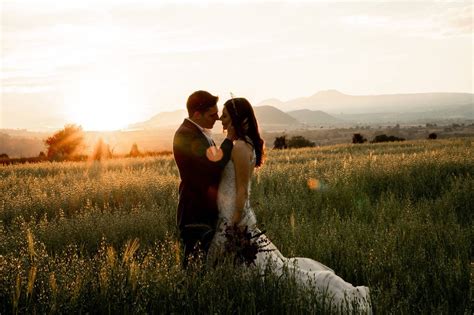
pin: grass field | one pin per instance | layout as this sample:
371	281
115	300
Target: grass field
101	237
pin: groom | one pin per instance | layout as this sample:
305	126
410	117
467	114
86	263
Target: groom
200	165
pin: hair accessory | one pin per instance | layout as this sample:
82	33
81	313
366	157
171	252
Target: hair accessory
233	104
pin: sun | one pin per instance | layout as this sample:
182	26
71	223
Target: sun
100	103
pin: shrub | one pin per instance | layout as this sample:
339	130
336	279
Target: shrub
134	152
101	151
385	138
66	143
358	138
300	142
280	143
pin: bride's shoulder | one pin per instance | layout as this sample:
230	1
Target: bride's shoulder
242	147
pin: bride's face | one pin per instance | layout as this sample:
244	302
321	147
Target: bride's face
225	118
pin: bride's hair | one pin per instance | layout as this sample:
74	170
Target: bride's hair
245	125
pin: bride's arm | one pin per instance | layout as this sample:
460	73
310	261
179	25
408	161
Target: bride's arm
241	156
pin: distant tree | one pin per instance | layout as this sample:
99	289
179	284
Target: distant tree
280	143
299	142
358	138
385	138
4	156
42	155
134	152
101	151
65	143
432	136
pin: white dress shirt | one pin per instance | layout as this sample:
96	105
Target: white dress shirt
205	132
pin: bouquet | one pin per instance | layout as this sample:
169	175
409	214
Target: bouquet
243	245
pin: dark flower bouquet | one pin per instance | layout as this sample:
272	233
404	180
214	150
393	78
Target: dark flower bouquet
243	245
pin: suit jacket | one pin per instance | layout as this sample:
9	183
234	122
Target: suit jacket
199	176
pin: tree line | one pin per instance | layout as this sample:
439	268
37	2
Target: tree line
301	142
359	138
68	145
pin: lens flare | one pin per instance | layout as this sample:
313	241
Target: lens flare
314	184
214	154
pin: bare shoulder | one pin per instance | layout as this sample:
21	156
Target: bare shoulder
241	145
241	149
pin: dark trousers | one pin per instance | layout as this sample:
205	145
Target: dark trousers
196	239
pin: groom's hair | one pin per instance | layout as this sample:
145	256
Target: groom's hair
200	101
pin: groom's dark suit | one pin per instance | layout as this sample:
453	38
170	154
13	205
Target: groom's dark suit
199	182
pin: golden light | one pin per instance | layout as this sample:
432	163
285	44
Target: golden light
100	103
214	154
314	184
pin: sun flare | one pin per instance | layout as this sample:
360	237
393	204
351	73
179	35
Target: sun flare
100	104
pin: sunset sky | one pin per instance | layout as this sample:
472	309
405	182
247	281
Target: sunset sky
106	63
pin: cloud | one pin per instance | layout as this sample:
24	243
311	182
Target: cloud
374	22
456	21
25	89
443	20
46	41
74	35
384	24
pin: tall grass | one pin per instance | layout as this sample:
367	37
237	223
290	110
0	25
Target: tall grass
101	237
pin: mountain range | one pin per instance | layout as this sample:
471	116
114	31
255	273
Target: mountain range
327	109
335	102
266	115
332	108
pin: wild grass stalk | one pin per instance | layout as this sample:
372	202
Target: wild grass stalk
101	237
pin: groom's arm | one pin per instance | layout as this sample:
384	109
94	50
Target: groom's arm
196	159
226	148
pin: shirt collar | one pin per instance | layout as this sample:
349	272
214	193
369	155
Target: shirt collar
206	132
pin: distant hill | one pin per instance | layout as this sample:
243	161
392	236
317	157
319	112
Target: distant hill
443	115
273	102
20	146
266	115
163	119
335	109
335	102
315	117
269	115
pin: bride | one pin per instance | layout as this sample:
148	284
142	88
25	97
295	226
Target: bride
234	210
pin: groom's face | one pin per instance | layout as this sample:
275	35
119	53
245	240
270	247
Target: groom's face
209	117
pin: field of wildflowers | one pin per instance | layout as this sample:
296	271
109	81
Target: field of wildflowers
101	237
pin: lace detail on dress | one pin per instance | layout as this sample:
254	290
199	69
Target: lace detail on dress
343	296
226	200
226	196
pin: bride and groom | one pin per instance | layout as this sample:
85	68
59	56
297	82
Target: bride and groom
214	194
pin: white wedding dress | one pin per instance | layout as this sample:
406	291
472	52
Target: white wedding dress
342	295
